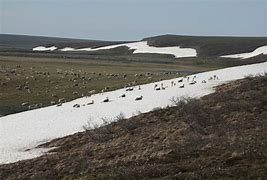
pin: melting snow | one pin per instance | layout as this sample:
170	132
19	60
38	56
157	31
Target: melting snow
42	48
256	52
143	47
22	131
67	49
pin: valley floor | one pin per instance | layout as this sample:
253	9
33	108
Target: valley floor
222	135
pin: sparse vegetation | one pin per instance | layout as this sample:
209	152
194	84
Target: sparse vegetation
40	79
222	135
210	46
36	82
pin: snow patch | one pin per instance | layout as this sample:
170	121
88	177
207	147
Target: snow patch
67	49
256	52
139	47
27	130
42	48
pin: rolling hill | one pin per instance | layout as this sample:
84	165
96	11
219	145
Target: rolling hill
210	45
206	46
221	136
24	42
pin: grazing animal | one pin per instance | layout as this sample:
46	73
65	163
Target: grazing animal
76	105
139	87
193	82
155	86
106	100
180	80
25	104
157	89
204	81
139	98
123	95
92	102
92	92
31	106
59	104
182	86
130	89
61	100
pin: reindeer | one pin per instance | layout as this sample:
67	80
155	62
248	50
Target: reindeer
106	100
76	105
130	89
59	104
139	98
90	103
182	86
192	83
25	104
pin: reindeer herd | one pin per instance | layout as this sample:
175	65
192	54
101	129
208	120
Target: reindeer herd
157	87
59	85
78	79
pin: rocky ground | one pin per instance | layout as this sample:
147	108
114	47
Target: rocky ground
222	135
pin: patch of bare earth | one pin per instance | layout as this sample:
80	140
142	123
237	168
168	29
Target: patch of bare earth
222	135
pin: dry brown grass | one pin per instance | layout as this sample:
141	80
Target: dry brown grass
223	135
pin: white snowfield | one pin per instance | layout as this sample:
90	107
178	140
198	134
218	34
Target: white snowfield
140	47
256	52
42	48
20	133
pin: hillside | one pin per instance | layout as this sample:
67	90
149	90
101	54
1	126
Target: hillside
27	43
209	45
222	135
206	46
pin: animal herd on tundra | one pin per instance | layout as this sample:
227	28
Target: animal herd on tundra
79	80
157	87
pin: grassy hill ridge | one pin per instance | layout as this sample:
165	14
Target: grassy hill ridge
206	46
210	45
25	42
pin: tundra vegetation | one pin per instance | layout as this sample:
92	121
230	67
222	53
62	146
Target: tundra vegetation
31	82
222	135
